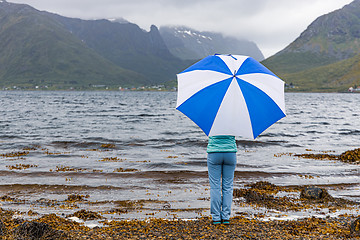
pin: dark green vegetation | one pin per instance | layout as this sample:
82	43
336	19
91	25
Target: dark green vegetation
325	57
42	49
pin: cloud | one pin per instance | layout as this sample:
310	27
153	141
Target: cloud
272	24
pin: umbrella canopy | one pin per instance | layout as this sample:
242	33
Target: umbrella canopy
231	95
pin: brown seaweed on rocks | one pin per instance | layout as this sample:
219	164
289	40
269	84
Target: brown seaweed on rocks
126	170
68	169
21	166
87	215
52	226
107	145
355	227
14	154
351	156
76	198
36	230
264	194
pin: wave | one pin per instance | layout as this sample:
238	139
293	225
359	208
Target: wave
257	143
261	174
161	143
57	187
349	132
10	137
280	135
107	175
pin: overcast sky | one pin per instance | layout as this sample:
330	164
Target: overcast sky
271	24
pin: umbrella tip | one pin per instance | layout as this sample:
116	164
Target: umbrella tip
232	56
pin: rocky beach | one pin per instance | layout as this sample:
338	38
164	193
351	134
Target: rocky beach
242	226
86	224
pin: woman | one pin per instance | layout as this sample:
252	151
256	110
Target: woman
221	163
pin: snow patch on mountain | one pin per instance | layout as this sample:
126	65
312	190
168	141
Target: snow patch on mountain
187	43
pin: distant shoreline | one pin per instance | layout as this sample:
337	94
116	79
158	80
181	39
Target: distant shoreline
140	90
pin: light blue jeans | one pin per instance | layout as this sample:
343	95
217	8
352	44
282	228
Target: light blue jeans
221	168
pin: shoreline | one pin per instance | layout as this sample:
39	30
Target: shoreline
55	227
329	218
145	90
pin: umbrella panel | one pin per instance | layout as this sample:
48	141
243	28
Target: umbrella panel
263	111
203	106
210	62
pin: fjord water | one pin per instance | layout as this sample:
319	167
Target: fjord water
134	146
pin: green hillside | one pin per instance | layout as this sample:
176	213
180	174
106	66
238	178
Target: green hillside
324	57
35	50
338	76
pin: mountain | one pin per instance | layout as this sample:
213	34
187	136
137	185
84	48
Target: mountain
338	76
126	45
331	42
119	20
37	50
41	48
187	43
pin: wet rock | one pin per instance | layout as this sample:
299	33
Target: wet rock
33	230
314	193
264	194
321	156
87	215
351	156
253	196
355	227
2	228
76	198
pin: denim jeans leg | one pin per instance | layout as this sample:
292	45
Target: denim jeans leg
227	184
214	163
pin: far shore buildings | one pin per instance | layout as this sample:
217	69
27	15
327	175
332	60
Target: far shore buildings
356	89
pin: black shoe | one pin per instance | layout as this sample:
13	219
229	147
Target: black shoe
216	222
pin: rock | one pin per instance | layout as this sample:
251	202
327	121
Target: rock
314	193
263	185
355	227
87	215
32	230
2	228
253	196
76	198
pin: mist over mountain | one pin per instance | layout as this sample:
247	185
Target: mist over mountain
187	43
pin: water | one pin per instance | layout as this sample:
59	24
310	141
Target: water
116	146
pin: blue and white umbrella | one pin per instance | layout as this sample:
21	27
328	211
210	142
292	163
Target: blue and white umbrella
231	95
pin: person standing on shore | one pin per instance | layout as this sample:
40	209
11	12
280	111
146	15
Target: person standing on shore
221	162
